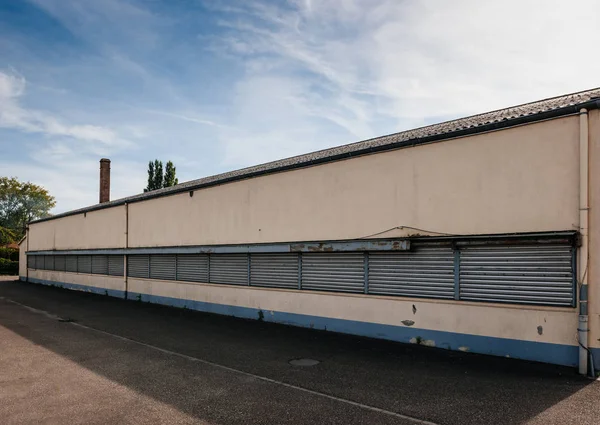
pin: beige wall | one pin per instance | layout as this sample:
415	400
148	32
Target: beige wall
594	230
517	180
91	280
512	322
97	229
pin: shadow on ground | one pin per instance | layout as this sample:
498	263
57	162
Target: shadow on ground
432	384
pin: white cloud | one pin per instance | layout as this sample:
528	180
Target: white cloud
407	61
15	116
276	79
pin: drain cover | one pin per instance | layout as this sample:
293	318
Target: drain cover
304	362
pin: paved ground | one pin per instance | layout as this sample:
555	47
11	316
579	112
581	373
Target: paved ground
69	357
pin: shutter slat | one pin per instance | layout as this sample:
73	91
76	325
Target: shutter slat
274	270
162	266
192	267
532	274
424	272
338	272
231	269
137	266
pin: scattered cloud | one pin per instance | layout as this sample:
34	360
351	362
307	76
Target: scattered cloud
222	85
14	116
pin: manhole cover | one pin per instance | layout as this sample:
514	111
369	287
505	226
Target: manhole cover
304	362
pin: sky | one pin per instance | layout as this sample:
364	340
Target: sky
220	85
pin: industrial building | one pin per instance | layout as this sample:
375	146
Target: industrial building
480	234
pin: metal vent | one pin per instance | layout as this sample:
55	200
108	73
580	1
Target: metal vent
31	262
138	266
274	270
100	264
426	272
39	262
162	266
229	269
116	265
192	267
59	263
541	274
71	263
340	272
84	264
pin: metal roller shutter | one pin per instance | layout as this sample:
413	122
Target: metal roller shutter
340	272
59	263
48	262
541	274
39	262
192	267
229	269
71	263
84	264
274	270
100	264
31	261
425	272
137	266
116	265
162	266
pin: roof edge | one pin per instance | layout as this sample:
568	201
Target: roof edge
484	128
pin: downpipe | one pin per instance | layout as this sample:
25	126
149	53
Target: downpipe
125	273
583	257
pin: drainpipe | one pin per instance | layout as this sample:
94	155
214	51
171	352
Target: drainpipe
126	246
582	269
26	256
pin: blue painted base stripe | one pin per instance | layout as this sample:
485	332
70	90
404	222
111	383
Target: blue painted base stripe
527	350
76	287
566	355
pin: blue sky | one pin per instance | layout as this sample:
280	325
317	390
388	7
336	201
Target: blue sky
220	85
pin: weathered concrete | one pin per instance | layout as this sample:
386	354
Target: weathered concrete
56	371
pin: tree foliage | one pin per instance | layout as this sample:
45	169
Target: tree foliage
150	177
157	179
170	179
21	202
158	174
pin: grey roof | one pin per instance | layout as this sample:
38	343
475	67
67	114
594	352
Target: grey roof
501	118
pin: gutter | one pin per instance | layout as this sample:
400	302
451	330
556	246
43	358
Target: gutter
491	126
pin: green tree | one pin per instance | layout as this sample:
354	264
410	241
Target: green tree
21	202
158	174
150	177
170	178
156	178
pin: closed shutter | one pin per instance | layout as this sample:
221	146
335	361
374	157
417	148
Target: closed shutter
425	272
137	266
39	262
30	262
59	263
100	264
274	270
340	272
192	267
541	274
116	265
71	263
84	264
229	269
162	266
48	262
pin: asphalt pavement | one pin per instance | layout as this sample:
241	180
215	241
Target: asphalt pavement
70	357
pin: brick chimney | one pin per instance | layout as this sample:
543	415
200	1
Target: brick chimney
104	180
